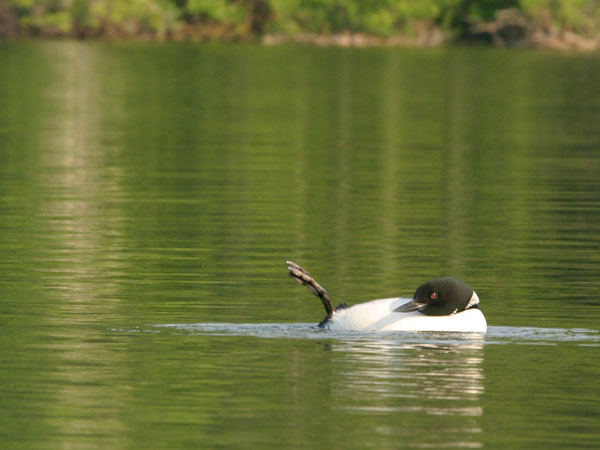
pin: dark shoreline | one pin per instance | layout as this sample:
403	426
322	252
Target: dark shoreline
510	29
563	41
559	41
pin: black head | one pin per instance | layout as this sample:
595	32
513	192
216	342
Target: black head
441	297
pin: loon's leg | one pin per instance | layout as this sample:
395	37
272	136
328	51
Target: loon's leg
303	277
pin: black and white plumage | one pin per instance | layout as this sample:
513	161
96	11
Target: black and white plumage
442	304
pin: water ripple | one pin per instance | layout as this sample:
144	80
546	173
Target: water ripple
495	334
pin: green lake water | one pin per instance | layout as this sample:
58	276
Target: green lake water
151	193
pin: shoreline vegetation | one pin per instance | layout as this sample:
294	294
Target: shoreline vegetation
553	24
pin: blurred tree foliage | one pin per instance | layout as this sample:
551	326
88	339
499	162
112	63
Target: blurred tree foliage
171	18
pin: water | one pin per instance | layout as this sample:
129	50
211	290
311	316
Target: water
150	195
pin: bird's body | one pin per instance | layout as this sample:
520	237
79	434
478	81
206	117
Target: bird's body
379	315
443	304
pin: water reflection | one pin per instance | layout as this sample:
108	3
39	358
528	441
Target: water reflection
409	384
393	386
79	241
167	184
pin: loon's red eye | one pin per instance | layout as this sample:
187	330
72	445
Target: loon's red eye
434	296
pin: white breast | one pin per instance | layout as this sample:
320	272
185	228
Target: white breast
379	315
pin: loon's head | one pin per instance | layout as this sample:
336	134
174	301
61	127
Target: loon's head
442	297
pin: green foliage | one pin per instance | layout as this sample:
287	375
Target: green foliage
582	16
485	10
153	15
59	22
379	17
223	11
384	17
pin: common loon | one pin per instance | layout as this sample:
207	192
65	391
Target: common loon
443	304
